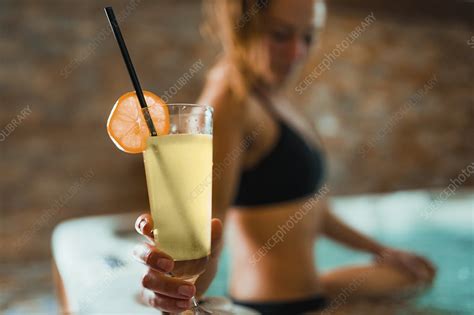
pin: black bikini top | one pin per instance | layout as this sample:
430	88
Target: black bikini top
291	170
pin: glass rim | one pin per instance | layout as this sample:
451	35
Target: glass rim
192	105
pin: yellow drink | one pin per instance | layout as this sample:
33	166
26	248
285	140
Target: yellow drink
178	171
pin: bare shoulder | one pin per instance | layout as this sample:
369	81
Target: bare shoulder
219	94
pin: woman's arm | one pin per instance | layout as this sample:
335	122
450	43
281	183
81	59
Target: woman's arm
229	125
339	231
418	266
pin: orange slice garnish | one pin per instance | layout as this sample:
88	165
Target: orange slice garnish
127	126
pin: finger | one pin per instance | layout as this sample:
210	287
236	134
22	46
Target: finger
172	305
165	303
394	259
149	255
166	285
404	263
217	229
423	271
429	268
416	268
144	225
429	265
216	237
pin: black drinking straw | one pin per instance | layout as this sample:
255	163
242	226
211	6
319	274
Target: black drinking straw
131	70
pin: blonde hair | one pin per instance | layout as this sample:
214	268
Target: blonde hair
237	25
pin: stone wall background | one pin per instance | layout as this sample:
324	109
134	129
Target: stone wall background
59	59
382	133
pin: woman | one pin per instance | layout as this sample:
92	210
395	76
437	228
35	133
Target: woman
275	175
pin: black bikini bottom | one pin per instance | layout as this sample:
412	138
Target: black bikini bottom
293	307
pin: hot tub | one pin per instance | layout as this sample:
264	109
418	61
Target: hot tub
93	255
421	221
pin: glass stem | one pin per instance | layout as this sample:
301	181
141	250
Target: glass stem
195	304
197	310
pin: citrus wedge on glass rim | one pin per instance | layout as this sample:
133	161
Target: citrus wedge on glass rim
126	125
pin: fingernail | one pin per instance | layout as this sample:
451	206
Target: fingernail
164	264
146	279
186	290
183	304
142	224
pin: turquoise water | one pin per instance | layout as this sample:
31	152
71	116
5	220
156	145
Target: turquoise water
452	251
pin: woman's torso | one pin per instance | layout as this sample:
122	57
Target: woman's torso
272	245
